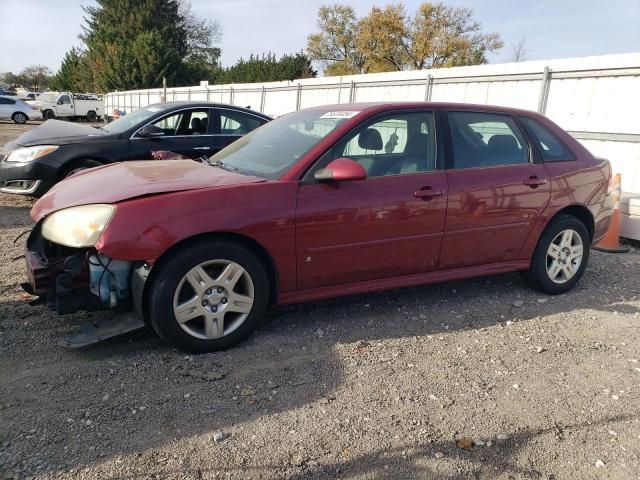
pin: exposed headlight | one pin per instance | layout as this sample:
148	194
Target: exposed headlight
78	226
28	154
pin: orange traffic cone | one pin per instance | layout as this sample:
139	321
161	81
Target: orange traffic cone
611	241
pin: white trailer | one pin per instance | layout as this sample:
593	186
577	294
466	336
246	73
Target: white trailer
69	105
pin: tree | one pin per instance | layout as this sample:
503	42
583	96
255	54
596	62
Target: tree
334	47
74	74
442	36
267	68
382	39
519	51
389	39
134	43
203	56
10	79
34	77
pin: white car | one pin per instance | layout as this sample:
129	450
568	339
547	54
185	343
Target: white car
12	108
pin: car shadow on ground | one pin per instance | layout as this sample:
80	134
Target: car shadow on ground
417	462
156	395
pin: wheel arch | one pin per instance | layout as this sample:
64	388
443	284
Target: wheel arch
19	111
69	165
580	212
248	242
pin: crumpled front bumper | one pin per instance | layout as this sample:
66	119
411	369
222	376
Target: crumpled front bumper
60	277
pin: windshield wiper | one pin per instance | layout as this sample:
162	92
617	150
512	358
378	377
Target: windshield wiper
221	164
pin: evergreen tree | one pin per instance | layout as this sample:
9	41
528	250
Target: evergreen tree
266	68
134	43
73	75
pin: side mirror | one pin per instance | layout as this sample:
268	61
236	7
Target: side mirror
59	102
150	131
341	170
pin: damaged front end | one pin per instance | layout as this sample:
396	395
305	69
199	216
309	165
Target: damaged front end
69	279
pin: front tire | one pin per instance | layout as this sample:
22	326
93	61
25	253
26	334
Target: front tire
48	115
208	296
78	166
561	255
19	118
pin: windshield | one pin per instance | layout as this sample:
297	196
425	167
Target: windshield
132	119
273	148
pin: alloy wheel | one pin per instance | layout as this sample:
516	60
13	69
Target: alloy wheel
564	256
20	118
213	299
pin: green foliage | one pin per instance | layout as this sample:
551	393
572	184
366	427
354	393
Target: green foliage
131	44
266	68
73	74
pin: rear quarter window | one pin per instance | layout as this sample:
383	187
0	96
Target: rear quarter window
550	147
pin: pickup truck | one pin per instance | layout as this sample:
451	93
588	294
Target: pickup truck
69	105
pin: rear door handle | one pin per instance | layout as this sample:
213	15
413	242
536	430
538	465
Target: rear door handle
427	193
535	181
202	148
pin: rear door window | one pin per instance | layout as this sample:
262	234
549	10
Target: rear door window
550	147
486	139
233	122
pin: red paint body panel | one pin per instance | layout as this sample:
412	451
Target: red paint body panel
491	213
121	181
366	230
145	228
401	282
341	238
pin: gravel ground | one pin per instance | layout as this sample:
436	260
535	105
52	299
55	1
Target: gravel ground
481	379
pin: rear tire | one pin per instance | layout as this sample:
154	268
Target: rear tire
561	256
208	296
19	118
92	116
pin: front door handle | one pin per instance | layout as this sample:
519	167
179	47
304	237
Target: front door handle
202	148
534	181
427	193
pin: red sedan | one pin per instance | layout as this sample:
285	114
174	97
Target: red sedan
323	202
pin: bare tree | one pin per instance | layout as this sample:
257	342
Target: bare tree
519	51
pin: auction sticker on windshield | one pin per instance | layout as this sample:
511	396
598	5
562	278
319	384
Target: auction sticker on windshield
341	114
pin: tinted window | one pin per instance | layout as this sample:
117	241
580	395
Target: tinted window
6	101
486	139
185	122
549	145
396	145
65	100
233	122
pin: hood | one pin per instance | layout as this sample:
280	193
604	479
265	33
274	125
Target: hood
57	132
123	181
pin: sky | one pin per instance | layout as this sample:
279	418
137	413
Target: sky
41	31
